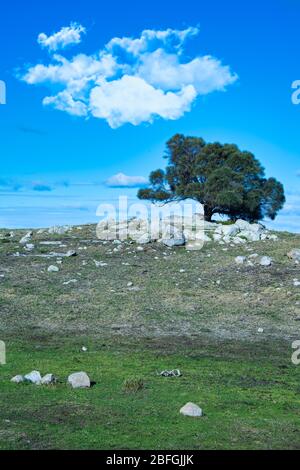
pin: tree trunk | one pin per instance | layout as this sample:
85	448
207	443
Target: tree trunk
208	213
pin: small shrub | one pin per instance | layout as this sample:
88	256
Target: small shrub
133	385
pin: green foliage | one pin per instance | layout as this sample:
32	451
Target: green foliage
223	178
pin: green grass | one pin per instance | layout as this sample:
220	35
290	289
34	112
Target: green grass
244	381
250	399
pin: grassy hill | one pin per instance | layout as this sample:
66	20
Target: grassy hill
140	310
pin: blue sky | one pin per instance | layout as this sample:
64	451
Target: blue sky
57	165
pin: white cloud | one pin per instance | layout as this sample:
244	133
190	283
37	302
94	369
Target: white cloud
130	80
206	73
123	181
152	40
131	99
63	38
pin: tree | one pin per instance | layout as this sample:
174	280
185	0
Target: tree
224	179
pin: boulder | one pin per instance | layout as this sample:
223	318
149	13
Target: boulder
34	377
190	409
29	247
294	254
71	254
17	379
144	239
171	242
240	259
53	269
48	379
242	224
26	238
79	380
249	235
230	230
59	230
266	261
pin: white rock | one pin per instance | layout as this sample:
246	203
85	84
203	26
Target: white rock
71	254
57	230
294	254
72	281
26	238
217	237
260	330
99	264
48	379
29	246
190	409
79	380
53	269
17	379
171	242
238	240
84	349
34	377
249	235
230	230
273	237
240	259
144	239
242	224
266	261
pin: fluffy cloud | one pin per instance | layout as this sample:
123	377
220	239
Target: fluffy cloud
130	80
131	99
123	181
63	38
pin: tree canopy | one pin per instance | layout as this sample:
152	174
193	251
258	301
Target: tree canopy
224	179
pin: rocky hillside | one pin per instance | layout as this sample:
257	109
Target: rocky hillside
243	283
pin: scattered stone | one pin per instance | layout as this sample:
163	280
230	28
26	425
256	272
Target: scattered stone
190	409
79	380
171	373
171	242
29	247
71	254
26	238
240	259
48	379
266	261
294	254
144	240
18	379
34	377
72	281
57	230
100	264
53	269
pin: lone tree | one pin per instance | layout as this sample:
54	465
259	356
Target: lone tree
222	178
